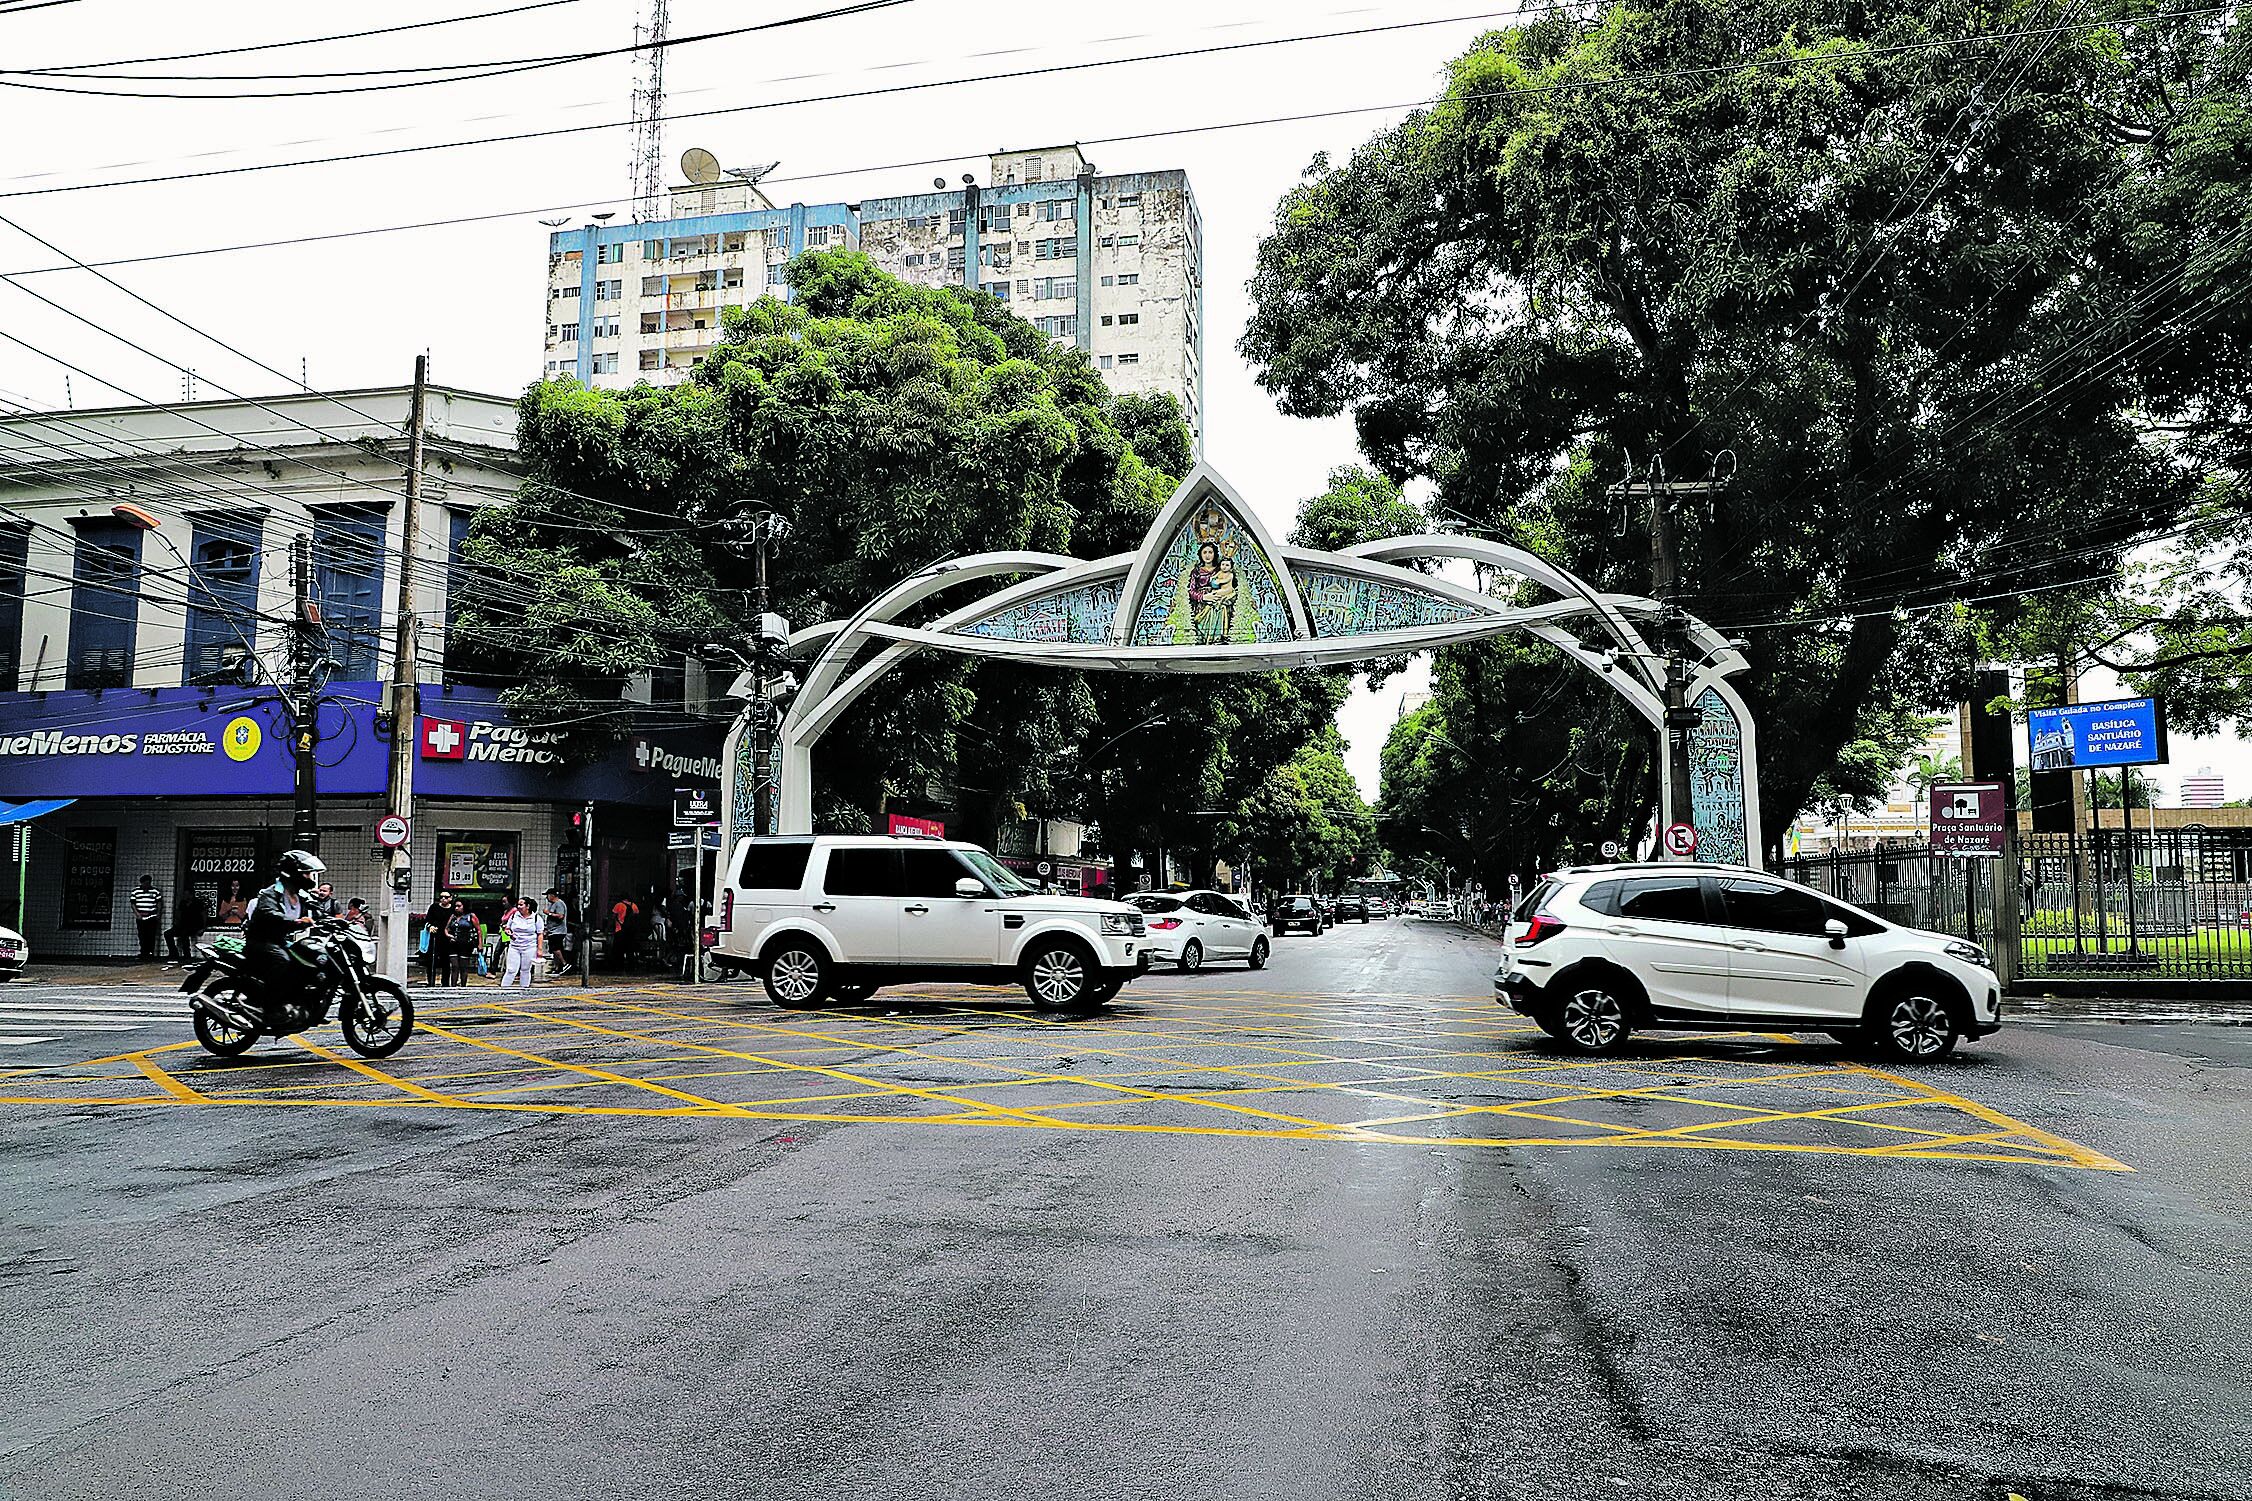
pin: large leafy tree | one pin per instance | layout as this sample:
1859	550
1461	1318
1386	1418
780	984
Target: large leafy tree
1875	267
890	425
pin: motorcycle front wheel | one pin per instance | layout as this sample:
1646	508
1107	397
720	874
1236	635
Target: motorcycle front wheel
223	1039
380	1025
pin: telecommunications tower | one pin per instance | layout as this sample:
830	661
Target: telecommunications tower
649	115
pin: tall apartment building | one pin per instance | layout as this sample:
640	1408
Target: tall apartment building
1115	264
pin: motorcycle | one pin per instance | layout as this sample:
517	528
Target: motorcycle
337	973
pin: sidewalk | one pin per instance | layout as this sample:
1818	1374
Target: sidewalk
88	972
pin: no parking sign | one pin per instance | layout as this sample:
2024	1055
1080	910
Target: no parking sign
1680	840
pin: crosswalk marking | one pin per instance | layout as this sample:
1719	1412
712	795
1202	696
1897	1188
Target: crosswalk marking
29	1020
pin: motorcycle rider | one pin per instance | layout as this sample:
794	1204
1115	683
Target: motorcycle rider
277	915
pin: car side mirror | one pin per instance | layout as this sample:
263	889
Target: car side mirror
969	886
1836	930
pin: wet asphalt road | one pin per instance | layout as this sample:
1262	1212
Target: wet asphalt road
226	1301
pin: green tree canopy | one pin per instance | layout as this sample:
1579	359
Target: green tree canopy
1884	270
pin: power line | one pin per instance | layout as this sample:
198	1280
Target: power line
314	41
1793	60
457	72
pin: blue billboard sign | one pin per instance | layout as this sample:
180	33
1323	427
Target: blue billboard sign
192	742
2079	737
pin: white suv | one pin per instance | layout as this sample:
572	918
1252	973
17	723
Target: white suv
1593	953
835	916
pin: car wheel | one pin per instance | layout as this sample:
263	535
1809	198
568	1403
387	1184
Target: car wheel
1914	1025
1591	1018
1192	957
1258	953
796	974
1057	977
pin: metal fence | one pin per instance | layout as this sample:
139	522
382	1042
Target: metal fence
2162	903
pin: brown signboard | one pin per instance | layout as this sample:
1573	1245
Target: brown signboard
1967	819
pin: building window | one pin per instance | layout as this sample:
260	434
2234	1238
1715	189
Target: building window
609	291
1129	200
957	257
104	597
606	326
652	286
1032	169
1103	360
348	576
913	260
222	600
1106	281
1107	241
15	560
652	250
567	333
1126	320
606	364
774	276
1129	279
955	219
1129	359
610	255
1128	242
999	289
1106	320
1062	326
652	359
1057	286
1054	250
1056	208
732	277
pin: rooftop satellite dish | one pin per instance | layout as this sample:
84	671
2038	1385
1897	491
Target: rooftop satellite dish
699	165
751	177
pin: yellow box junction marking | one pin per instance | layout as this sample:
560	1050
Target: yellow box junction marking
1416	1071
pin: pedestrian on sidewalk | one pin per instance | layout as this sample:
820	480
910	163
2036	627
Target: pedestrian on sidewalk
148	915
555	918
434	937
465	939
189	918
525	930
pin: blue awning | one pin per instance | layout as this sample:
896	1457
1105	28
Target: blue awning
26	812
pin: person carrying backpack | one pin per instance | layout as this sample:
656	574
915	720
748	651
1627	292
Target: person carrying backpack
465	939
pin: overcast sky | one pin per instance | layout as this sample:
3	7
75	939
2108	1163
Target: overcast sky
356	311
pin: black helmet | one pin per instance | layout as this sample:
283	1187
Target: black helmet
300	869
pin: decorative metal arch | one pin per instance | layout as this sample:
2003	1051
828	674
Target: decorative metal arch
1209	590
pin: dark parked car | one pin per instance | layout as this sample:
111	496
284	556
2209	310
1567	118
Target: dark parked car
1297	912
1351	909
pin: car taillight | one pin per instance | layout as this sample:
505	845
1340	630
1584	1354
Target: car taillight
1539	930
1164	924
727	912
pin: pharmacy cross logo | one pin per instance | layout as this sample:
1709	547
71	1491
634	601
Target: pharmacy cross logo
442	739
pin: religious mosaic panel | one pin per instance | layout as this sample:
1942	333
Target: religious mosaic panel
1716	783
1344	604
1082	614
1212	586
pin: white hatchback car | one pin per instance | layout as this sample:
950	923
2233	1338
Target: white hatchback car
1188	927
1594	953
14	954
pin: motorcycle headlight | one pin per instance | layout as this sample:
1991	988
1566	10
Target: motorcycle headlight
1968	953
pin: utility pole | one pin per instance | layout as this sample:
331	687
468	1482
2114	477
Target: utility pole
406	708
767	528
1679	804
304	712
586	896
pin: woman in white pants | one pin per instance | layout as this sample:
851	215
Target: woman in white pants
525	934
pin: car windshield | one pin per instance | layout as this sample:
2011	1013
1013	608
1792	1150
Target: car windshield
996	875
1152	903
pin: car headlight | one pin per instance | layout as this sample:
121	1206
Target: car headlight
1118	923
1969	953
